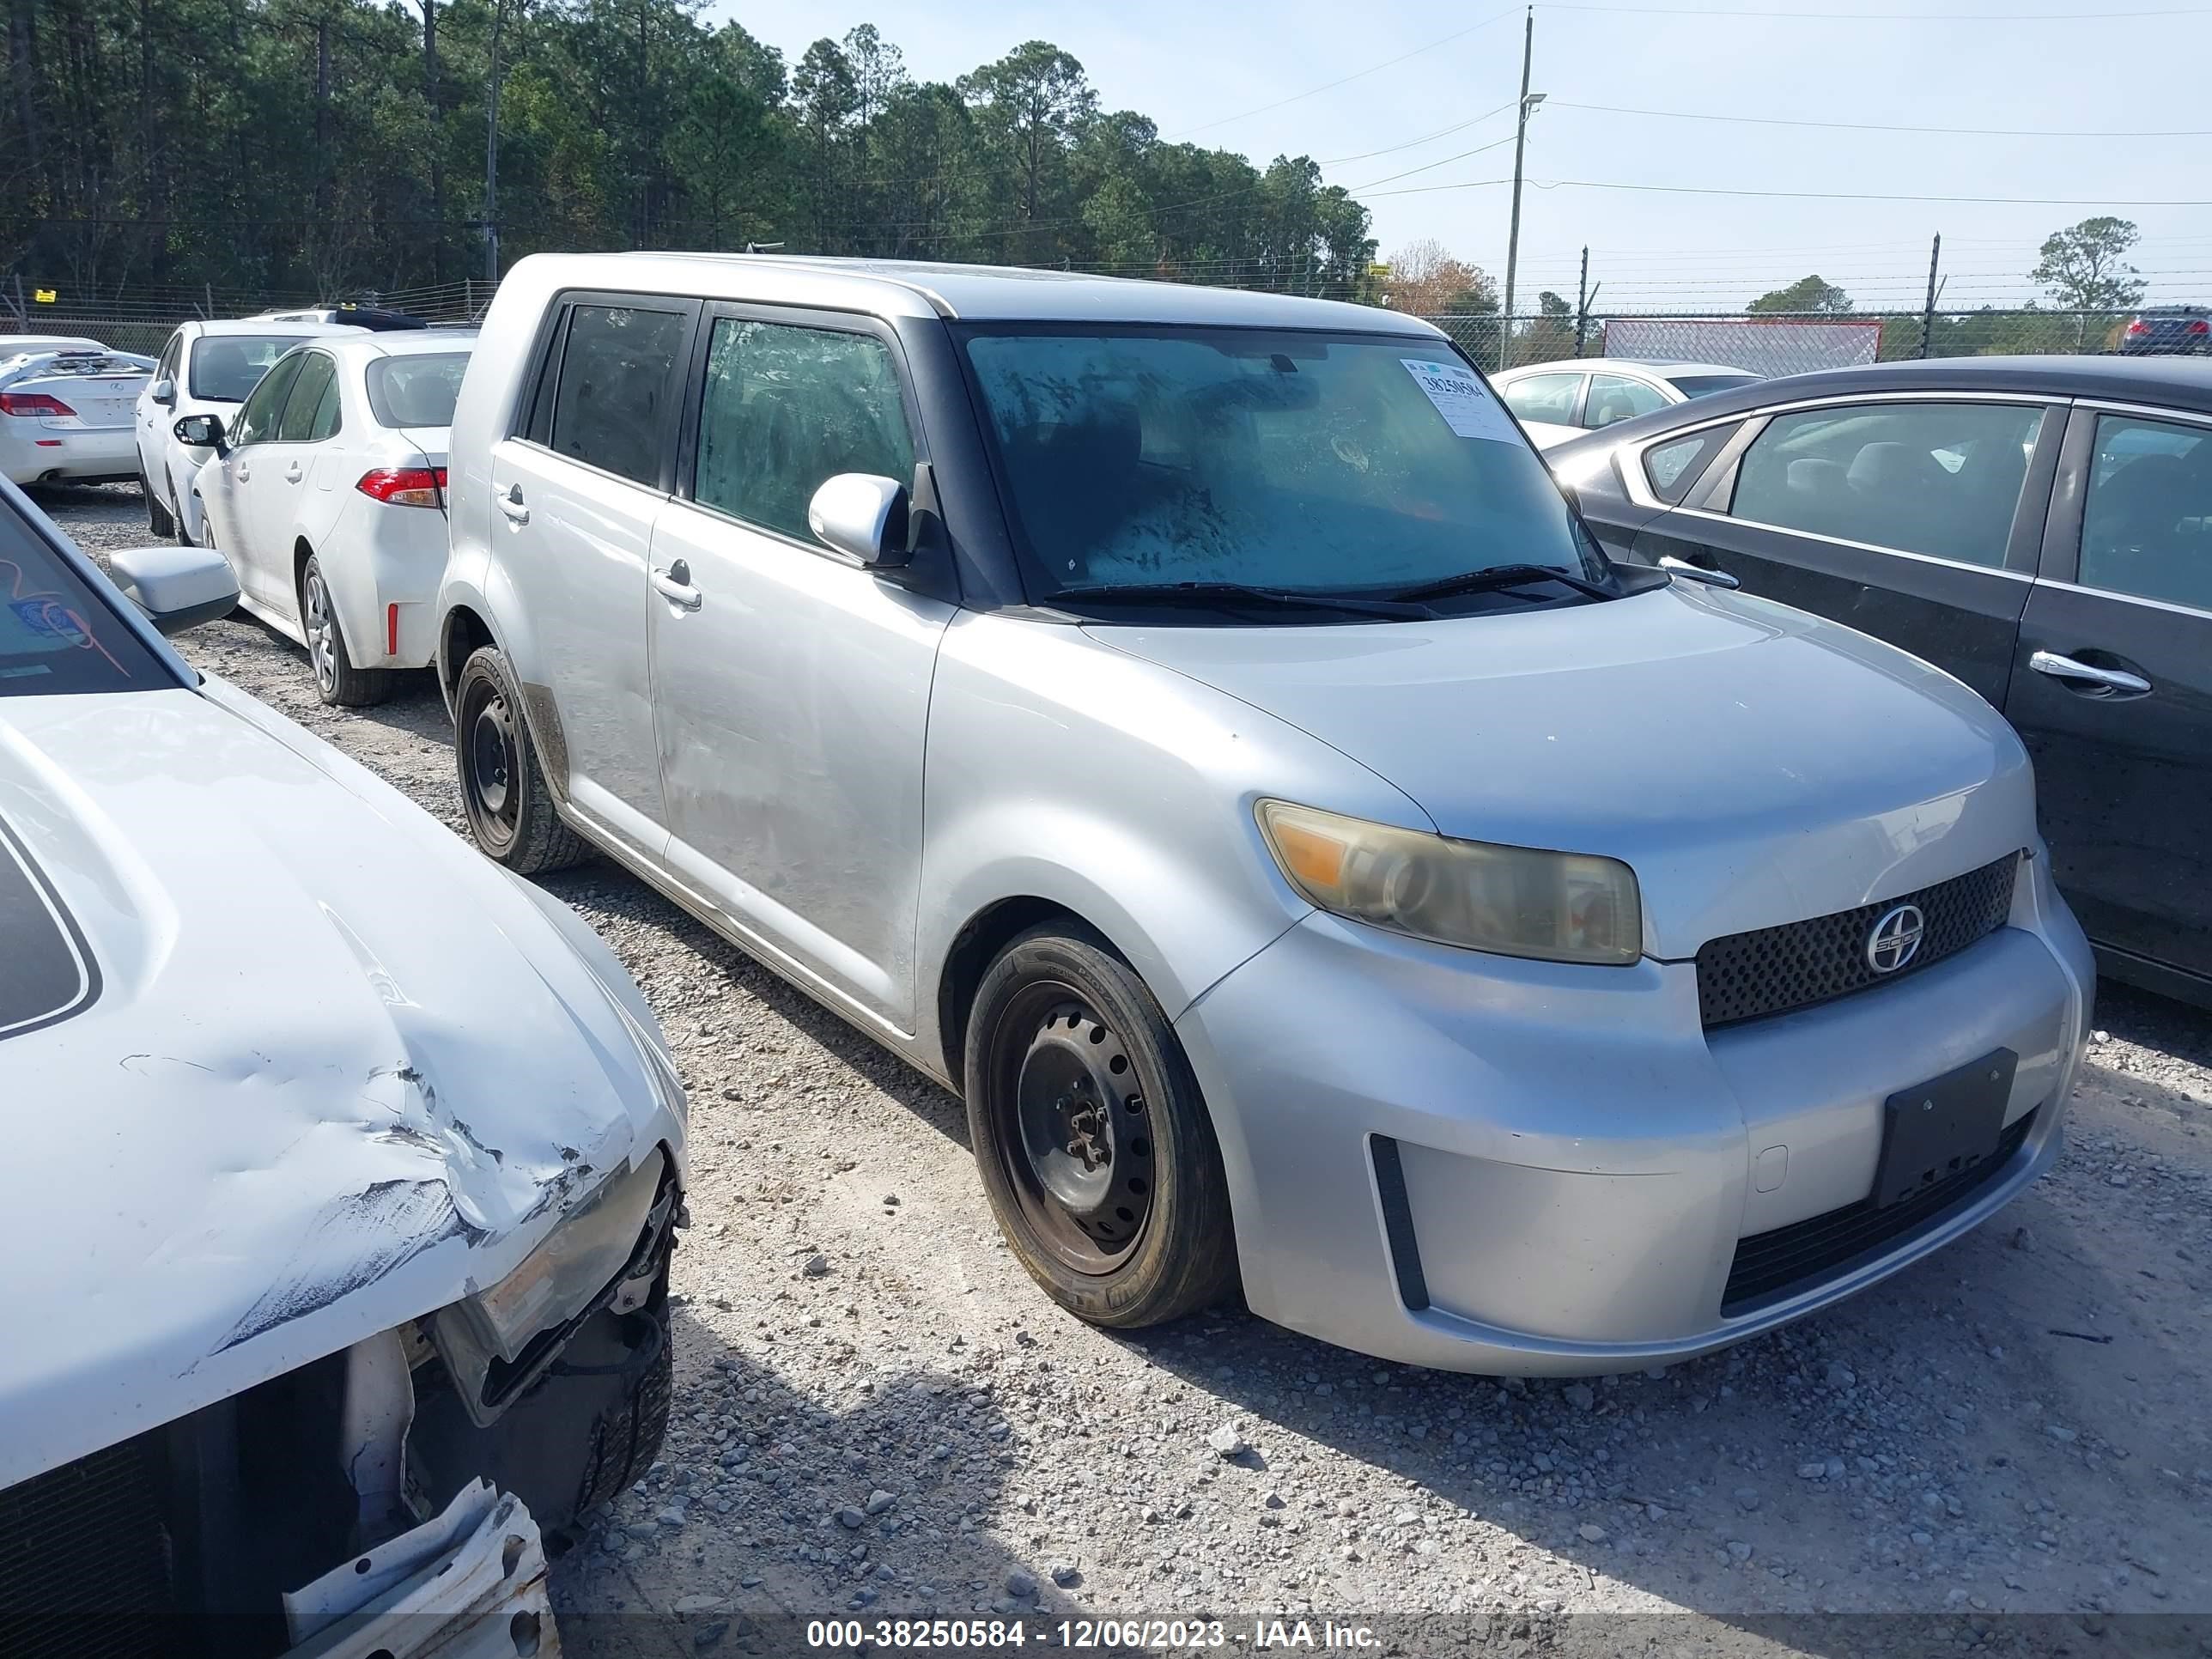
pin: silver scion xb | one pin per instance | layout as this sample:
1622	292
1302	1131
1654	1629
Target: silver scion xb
1193	725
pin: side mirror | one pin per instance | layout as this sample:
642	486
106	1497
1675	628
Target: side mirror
177	588
863	517
163	392
200	432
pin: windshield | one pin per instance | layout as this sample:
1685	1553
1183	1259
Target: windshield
1703	386
226	368
56	635
1308	462
417	389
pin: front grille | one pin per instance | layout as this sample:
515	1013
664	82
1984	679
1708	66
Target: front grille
1768	1265
1771	971
84	1565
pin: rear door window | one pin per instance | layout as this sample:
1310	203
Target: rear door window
2147	524
264	406
611	393
1549	398
787	409
317	379
1937	478
1615	398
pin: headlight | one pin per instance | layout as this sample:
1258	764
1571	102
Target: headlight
558	1280
1512	901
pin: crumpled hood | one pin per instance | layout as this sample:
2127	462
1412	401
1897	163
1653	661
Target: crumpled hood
338	1069
1752	763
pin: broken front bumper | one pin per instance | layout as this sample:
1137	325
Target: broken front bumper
469	1584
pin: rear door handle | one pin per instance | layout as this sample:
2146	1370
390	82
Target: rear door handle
2106	681
292	474
674	585
511	504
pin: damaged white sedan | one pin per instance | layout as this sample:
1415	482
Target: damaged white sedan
346	1170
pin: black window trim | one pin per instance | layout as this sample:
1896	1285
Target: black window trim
2022	541
789	316
542	379
2060	545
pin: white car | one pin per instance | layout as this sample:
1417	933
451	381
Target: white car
1558	401
206	367
327	492
65	413
348	1170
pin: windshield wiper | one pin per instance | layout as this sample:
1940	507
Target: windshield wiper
1397	609
1491	578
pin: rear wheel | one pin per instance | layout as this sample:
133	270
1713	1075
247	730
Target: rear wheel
503	792
337	682
159	521
1095	1146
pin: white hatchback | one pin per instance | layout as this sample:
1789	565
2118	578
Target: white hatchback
327	495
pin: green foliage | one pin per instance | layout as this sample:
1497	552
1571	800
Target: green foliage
1807	293
338	146
2083	267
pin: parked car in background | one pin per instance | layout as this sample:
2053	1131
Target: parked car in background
377	318
368	1156
1194	724
206	369
66	413
1558	401
2041	527
2168	331
327	494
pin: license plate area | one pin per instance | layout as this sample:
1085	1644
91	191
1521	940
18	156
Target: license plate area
1943	1127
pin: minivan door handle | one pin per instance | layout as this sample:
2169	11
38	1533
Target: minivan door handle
674	585
2087	678
511	504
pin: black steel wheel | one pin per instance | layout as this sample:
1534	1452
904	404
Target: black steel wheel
1094	1144
503	793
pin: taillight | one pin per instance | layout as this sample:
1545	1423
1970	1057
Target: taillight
405	486
33	402
2138	327
2200	326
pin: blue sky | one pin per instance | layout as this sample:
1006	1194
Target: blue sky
1869	61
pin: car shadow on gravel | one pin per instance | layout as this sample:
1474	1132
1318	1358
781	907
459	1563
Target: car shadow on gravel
769	1507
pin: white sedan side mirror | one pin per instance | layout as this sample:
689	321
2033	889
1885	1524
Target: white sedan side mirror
177	588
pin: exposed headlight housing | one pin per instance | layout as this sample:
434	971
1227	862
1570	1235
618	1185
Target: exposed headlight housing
1510	901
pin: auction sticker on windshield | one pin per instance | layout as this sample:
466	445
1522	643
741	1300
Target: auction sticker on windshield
1463	401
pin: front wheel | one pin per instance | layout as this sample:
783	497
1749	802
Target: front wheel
1095	1146
503	792
337	682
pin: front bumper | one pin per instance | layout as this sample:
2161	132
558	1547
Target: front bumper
1576	1159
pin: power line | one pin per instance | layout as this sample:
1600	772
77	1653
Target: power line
1357	75
1425	166
1810	195
1413	144
1879	126
1884	16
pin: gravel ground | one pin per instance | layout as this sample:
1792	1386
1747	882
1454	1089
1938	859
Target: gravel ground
878	1412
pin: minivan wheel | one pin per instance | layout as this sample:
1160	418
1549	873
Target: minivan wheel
337	682
1095	1146
159	521
510	810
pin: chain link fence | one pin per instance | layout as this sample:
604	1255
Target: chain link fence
142	318
1786	342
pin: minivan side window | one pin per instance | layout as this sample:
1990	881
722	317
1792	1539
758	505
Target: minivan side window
257	414
785	409
609	399
2147	524
1938	478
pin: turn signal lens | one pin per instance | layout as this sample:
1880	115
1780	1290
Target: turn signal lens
1510	901
405	486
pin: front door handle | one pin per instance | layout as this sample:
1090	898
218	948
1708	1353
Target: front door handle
674	585
511	504
2089	679
292	474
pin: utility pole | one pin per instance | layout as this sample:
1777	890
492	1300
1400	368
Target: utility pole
1927	311
1520	144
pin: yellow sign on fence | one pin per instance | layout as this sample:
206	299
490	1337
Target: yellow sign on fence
45	297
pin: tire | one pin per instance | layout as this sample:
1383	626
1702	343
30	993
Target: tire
503	791
159	521
183	527
1094	1143
625	1438
337	682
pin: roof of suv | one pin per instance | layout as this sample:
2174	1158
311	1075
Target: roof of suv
990	293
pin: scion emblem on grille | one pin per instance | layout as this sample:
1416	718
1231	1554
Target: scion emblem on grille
1894	939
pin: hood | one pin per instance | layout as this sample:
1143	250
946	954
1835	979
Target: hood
1752	764
327	1069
